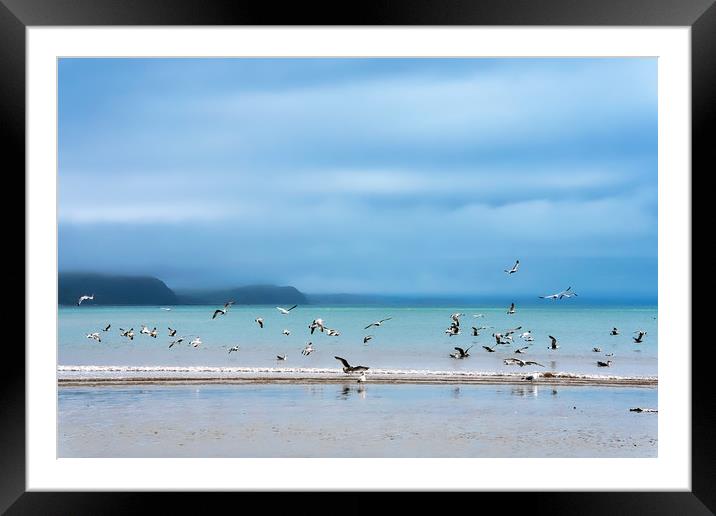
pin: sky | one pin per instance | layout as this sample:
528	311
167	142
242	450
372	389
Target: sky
386	176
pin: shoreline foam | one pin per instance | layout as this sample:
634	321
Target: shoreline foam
76	375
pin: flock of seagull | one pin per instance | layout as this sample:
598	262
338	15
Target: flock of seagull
504	338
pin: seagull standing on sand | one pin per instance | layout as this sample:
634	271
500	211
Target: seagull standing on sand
378	323
362	378
85	298
94	336
347	368
512	309
514	268
553	343
285	311
259	321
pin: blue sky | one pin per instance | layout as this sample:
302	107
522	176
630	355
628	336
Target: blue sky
394	176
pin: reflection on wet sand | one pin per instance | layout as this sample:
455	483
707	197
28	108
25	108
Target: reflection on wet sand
346	391
527	390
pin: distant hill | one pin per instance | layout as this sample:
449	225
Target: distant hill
248	295
113	290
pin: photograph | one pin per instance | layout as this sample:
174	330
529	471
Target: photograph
357	257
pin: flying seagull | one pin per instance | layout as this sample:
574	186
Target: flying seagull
378	323
521	363
233	348
347	368
614	331
597	350
145	330
640	336
107	328
475	333
560	295
85	298
512	309
259	321
514	268
286	332
172	332
285	311
521	350
317	323
604	364
553	344
176	341
308	349
94	336
281	357
196	342
463	353
456	318
127	333
489	349
367	338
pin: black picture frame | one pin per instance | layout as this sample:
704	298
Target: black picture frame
17	15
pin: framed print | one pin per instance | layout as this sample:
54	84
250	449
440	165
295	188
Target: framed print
421	249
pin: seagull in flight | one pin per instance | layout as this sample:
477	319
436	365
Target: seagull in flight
281	357
521	350
553	343
453	330
85	298
477	316
560	295
462	353
475	333
514	268
640	336
378	323
489	349
308	349
144	330
127	333
259	321
332	333
347	368
196	342
153	333
456	318
317	323
597	350
527	336
521	363
233	348
604	364
107	328
172	332
176	341
614	331
285	311
286	332
512	309
367	338
94	336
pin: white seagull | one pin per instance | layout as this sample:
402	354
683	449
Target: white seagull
196	342
145	330
521	363
127	333
317	323
285	311
85	298
308	349
560	295
234	348
281	357
286	332
94	336
378	323
514	268
456	318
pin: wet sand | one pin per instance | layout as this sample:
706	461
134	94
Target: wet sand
259	419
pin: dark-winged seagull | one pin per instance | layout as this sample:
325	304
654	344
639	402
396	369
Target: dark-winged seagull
560	295
233	348
285	311
521	363
512	309
462	353
514	268
172	332
347	368
107	327
259	321
604	364
367	338
614	331
640	336
378	323
553	343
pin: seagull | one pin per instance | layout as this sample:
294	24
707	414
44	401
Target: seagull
521	363
597	350
176	341
639	409
317	323
281	357
347	368
608	354
172	332
475	333
145	330
167	309
456	318
153	333
527	336
362	378
512	309
553	344
367	338
85	298
604	364
107	328
260	321
308	349
127	333
463	353
514	268
489	349
219	311
521	350
640	336
614	331
286	332
378	323
478	315
234	348
511	331
453	330
196	342
285	311
94	336
332	333
560	295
